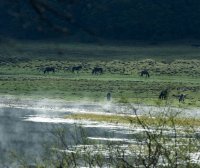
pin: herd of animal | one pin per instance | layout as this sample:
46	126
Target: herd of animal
95	71
98	71
164	94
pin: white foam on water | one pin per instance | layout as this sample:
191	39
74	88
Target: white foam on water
43	119
113	139
114	127
57	120
85	123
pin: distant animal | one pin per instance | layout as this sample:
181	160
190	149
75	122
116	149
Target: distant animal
49	69
163	94
108	96
76	68
181	97
96	71
145	72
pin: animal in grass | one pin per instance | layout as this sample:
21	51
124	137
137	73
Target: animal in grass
49	69
108	96
164	94
181	97
76	68
145	72
97	71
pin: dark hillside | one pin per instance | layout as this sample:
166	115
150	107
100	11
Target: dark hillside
154	20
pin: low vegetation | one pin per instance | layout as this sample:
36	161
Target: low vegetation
125	119
170	66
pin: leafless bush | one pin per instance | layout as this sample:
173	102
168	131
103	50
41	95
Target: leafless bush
161	144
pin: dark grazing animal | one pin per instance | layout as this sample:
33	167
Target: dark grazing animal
145	72
76	68
181	98
49	69
97	71
108	96
163	94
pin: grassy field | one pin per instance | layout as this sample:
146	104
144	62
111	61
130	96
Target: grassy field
171	66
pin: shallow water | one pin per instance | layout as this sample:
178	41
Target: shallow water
25	131
25	127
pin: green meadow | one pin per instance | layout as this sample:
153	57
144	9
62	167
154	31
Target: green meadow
174	66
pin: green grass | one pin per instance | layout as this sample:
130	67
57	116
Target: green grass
174	66
123	89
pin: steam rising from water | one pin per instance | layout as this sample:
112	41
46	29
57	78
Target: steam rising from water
49	106
48	111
